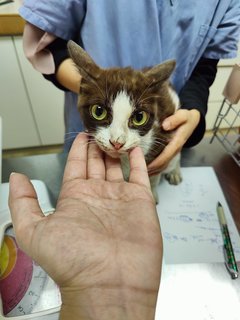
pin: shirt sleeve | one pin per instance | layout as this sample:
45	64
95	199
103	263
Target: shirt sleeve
59	51
224	42
195	93
60	18
46	21
35	42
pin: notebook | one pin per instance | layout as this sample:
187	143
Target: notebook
195	282
189	221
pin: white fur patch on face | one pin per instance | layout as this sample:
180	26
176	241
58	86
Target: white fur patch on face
122	109
174	97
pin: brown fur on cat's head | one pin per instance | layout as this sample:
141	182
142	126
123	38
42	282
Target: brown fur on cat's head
147	88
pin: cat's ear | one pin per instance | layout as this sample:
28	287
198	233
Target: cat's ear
85	64
160	72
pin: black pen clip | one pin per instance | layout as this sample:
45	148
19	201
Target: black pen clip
233	273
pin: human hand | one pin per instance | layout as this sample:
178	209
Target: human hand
183	122
68	75
102	245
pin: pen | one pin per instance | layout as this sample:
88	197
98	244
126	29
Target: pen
229	257
5	2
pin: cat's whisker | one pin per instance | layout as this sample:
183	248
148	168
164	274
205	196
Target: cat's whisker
100	90
106	87
84	145
152	152
70	136
72	132
165	141
155	144
69	139
87	143
162	139
73	138
75	133
162	143
162	136
159	142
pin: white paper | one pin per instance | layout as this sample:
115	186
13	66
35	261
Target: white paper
199	292
189	221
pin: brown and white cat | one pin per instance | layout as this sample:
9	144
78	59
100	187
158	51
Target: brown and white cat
122	108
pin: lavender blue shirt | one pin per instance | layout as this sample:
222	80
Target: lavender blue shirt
140	33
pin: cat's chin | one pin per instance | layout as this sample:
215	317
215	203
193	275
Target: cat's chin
114	154
117	154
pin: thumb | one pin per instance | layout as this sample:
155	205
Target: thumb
24	208
175	120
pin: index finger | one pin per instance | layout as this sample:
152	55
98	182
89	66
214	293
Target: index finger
76	166
162	160
167	154
138	168
175	120
113	169
95	163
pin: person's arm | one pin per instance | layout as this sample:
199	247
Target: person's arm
103	243
66	76
188	121
195	94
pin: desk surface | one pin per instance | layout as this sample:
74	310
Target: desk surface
49	168
189	280
228	172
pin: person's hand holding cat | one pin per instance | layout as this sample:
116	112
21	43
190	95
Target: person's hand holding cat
103	244
183	122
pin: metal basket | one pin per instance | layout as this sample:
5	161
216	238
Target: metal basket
229	117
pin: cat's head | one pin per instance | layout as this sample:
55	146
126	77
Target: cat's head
122	107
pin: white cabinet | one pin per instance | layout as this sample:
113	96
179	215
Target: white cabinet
31	107
45	99
19	127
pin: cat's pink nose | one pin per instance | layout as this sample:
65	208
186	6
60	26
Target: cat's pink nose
116	145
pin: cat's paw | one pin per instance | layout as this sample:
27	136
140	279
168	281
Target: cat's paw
174	176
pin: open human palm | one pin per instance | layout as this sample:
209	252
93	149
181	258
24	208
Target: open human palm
104	237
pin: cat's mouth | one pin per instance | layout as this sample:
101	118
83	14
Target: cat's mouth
115	153
112	151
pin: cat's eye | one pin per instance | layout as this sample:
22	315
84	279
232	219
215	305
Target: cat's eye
140	118
98	112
